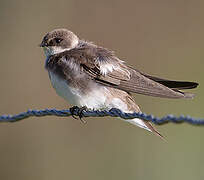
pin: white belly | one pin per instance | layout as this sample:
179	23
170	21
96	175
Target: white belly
97	98
94	99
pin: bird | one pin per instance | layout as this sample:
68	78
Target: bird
91	76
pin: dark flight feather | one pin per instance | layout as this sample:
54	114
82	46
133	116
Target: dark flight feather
179	85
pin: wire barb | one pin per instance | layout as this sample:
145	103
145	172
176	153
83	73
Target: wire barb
112	112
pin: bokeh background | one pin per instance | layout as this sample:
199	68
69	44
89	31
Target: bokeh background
160	37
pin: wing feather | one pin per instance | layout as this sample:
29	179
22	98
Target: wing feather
105	68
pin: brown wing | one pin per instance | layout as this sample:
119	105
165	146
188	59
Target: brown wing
105	68
141	84
177	85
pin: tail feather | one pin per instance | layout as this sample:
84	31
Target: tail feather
145	125
154	130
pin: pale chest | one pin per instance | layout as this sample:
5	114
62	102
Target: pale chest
70	94
96	97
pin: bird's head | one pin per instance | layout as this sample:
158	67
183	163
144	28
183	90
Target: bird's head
59	40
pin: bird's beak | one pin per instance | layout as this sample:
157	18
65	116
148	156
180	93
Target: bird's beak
43	44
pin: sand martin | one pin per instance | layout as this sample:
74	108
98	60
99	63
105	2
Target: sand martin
88	75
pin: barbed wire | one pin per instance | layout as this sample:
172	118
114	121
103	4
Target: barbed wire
112	112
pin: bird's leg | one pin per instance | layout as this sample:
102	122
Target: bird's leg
73	109
78	111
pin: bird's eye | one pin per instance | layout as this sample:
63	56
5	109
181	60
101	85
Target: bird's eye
58	40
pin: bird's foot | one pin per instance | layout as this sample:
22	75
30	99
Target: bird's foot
78	111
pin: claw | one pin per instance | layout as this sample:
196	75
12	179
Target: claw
77	111
73	110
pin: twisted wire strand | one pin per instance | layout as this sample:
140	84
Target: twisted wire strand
113	113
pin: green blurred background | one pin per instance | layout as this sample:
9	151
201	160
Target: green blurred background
160	37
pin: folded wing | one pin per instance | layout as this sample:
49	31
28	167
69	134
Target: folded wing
105	68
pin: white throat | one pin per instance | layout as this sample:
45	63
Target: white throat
49	51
